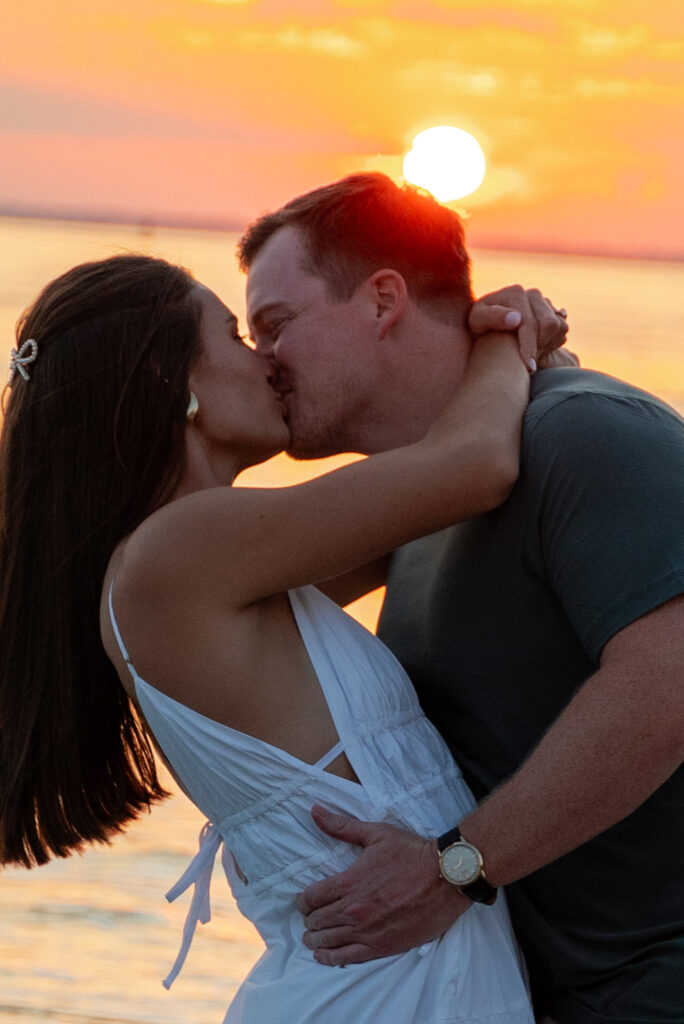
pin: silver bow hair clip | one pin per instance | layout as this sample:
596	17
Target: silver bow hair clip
21	359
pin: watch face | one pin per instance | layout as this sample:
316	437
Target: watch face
461	864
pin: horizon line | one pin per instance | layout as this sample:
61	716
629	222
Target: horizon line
147	223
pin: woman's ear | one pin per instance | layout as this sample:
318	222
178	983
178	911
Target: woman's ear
390	296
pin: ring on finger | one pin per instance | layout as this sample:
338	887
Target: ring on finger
563	313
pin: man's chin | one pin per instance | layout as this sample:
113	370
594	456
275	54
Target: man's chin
302	449
314	438
304	453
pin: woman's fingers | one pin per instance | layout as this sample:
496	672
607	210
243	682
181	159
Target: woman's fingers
541	327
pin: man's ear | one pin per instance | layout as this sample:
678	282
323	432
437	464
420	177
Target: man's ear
390	296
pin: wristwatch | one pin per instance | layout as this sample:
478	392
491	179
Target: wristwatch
461	864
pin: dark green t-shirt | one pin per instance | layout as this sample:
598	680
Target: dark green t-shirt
498	621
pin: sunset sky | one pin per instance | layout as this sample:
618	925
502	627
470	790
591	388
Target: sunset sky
211	111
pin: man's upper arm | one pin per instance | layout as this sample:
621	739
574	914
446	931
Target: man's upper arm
649	655
611	474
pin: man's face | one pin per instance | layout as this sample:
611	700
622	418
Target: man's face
318	348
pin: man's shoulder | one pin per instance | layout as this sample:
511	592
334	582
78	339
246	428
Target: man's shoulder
568	398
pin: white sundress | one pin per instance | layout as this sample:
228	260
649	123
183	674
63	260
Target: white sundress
258	799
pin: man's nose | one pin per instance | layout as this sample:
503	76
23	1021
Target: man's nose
264	347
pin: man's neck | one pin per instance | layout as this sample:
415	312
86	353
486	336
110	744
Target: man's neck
419	378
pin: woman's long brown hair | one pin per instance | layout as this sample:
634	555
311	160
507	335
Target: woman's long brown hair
92	443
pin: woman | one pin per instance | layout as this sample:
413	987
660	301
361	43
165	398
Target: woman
142	597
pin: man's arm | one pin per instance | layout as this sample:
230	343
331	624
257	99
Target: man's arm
620	738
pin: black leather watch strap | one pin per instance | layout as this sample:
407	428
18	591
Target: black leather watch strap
480	891
452	836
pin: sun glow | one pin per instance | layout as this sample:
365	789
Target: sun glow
446	161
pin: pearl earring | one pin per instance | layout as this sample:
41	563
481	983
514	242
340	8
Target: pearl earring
193	408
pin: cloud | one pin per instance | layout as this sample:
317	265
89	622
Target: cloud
603	41
449	75
606	89
331	42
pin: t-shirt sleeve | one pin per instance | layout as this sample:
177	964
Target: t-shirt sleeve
608	475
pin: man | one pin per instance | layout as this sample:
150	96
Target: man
546	639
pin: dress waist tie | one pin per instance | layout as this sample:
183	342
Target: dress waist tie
198	872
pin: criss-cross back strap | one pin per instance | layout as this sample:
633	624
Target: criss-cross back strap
331	755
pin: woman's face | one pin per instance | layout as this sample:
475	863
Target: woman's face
238	408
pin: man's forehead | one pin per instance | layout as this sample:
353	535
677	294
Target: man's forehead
265	293
283	250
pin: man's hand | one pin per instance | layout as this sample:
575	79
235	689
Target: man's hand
541	327
390	900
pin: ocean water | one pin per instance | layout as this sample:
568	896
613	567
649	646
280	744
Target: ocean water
88	939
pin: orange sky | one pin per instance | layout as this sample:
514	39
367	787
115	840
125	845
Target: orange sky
214	110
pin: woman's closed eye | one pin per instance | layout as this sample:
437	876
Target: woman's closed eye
234	332
243	339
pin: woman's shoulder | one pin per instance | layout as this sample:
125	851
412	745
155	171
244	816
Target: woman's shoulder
146	560
157	593
167	548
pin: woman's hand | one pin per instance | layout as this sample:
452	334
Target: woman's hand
541	327
559	357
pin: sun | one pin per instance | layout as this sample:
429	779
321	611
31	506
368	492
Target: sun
446	161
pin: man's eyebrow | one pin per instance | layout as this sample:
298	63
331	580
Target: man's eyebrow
261	312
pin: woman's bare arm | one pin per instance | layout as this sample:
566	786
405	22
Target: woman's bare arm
349	586
245	544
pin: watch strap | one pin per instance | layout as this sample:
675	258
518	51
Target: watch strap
448	838
480	891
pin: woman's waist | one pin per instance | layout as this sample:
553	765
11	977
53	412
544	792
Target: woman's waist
282	851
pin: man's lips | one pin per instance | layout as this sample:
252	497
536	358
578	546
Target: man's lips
282	388
281	394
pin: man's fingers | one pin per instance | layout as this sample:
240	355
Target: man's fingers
330	890
320	894
343	955
328	938
339	914
342	826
